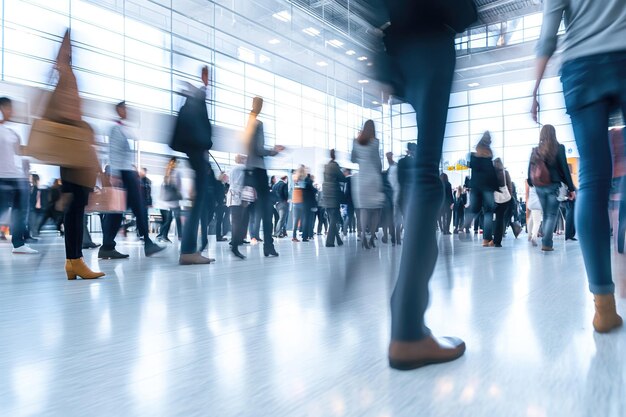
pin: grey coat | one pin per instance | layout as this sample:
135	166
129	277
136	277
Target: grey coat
332	194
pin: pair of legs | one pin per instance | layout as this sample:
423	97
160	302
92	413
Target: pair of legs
482	199
534	223
167	215
113	221
15	192
74	219
370	219
263	207
550	207
388	224
568	209
334	218
200	165
283	210
322	221
445	219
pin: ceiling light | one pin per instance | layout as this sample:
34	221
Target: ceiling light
274	41
375	103
350	52
322	64
311	31
473	85
336	43
362	58
364	81
283	16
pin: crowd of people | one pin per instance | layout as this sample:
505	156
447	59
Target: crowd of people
408	201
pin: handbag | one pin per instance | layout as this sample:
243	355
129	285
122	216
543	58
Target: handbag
107	200
503	195
61	144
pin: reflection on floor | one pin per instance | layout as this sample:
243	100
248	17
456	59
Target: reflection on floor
302	335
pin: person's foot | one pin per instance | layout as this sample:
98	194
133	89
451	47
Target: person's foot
606	317
384	239
152	248
488	243
405	356
194	259
497	245
91	245
111	254
75	268
245	242
339	242
235	251
31	239
305	240
533	242
295	240
24	250
270	251
221	239
573	239
163	240
330	245
547	248
254	241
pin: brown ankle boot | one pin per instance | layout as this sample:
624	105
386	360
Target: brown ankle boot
78	268
488	243
606	317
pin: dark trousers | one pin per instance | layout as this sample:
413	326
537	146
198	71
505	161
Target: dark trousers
220	220
283	211
350	221
483	199
298	218
166	221
321	220
501	222
50	213
86	235
207	217
308	218
428	91
255	220
74	219
201	167
239	221
134	199
15	192
459	217
334	218
567	207
263	204
388	223
445	218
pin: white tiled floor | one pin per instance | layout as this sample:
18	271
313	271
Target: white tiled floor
302	335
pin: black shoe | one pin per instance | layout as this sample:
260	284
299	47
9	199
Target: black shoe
152	248
111	254
221	239
270	251
339	242
91	245
163	240
573	239
235	251
245	242
305	240
31	239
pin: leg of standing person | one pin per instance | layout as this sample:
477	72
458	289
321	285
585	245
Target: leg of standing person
500	212
74	221
135	201
166	221
550	207
536	219
489	206
189	244
238	229
15	190
570	226
332	230
265	210
297	218
428	91
111	223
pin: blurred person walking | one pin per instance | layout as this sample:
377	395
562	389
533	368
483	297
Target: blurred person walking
299	178
483	185
331	199
281	196
120	160
392	177
533	205
256	163
546	171
192	136
502	198
170	201
14	187
420	32
238	202
368	188
460	201
445	218
594	84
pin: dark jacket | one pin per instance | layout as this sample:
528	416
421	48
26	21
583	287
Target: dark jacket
559	171
333	177
447	193
406	170
192	131
460	201
280	191
146	190
310	192
347	192
483	173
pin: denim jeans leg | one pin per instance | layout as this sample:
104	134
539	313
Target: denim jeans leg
428	91
550	205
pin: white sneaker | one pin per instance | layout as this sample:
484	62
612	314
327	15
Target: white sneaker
25	250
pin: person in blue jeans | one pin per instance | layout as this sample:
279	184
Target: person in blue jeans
419	33
594	84
552	154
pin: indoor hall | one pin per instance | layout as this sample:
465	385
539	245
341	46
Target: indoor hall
304	334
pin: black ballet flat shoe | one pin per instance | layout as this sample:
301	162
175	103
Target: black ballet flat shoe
270	252
235	251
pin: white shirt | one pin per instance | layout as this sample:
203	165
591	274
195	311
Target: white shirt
10	159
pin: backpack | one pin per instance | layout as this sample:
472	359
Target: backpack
539	172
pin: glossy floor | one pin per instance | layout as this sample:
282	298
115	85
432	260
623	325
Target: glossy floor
302	335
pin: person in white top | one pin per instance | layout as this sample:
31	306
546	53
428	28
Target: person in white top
13	181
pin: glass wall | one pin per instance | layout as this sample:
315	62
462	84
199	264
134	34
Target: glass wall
144	51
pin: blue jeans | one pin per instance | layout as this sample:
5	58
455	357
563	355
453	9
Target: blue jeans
593	87
550	206
298	212
484	200
428	91
15	190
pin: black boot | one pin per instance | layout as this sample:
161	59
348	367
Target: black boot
235	250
